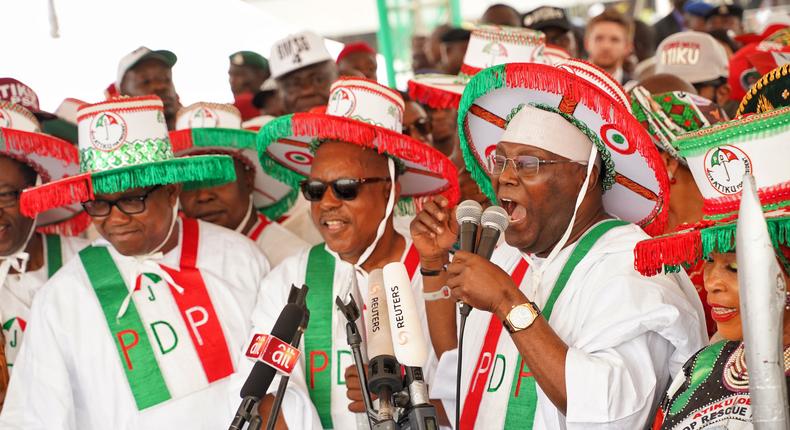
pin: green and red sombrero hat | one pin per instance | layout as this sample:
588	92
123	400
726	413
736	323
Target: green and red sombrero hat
718	157
50	157
365	113
635	180
489	45
124	144
215	128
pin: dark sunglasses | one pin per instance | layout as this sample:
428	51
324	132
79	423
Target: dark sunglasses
422	125
128	205
344	189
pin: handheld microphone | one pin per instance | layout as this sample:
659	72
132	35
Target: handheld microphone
262	375
468	216
384	370
405	323
494	220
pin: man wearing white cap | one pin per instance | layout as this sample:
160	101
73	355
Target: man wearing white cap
142	329
565	333
698	59
145	72
354	166
303	70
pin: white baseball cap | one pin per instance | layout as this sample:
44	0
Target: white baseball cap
693	56
297	51
142	53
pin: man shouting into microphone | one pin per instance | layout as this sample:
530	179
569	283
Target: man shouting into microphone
565	333
353	164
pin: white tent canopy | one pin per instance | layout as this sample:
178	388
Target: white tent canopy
95	34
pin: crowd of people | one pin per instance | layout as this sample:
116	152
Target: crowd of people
143	243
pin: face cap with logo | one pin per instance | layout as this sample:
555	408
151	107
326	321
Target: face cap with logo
634	178
488	46
123	145
141	54
364	113
297	51
249	59
718	157
694	56
215	128
51	158
546	17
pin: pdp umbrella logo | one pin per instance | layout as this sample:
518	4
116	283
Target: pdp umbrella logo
5	119
203	117
342	102
725	167
494	51
107	131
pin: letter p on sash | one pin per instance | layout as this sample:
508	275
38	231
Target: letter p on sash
195	323
482	370
126	347
314	369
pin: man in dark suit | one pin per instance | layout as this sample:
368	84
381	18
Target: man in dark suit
672	23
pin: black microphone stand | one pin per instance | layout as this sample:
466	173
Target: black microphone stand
354	338
298	297
244	413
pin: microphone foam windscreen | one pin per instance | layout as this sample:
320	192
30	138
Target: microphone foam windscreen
495	217
468	211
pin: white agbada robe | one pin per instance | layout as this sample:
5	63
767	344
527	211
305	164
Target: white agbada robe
627	335
298	409
275	241
70	375
16	295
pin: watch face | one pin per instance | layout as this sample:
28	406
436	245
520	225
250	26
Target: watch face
521	316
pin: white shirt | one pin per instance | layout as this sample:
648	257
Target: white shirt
17	295
70	374
627	334
298	409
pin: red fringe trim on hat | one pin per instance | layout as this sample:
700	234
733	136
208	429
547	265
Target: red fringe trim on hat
469	70
383	141
727	204
554	80
671	250
40	144
63	192
70	227
434	98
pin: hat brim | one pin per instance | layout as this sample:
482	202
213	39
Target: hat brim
287	141
670	252
203	170
52	159
270	196
163	55
640	184
438	91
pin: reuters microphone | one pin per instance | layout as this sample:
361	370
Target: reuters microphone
384	371
407	335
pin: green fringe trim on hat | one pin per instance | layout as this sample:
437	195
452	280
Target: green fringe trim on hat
278	209
406	207
486	81
208	137
721	238
204	169
740	130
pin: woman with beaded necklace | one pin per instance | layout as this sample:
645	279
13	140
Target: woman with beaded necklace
712	390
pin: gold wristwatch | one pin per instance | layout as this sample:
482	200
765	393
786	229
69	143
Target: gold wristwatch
521	317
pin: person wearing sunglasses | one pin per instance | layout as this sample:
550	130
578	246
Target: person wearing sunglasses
251	203
580	339
357	170
142	329
32	249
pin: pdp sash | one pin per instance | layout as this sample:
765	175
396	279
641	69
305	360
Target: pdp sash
135	349
318	338
523	399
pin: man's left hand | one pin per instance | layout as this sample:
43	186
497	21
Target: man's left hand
482	284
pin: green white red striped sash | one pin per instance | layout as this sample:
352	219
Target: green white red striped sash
523	399
261	225
319	337
139	358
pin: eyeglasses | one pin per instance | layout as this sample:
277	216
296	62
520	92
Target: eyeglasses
344	189
525	165
9	198
422	125
128	205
